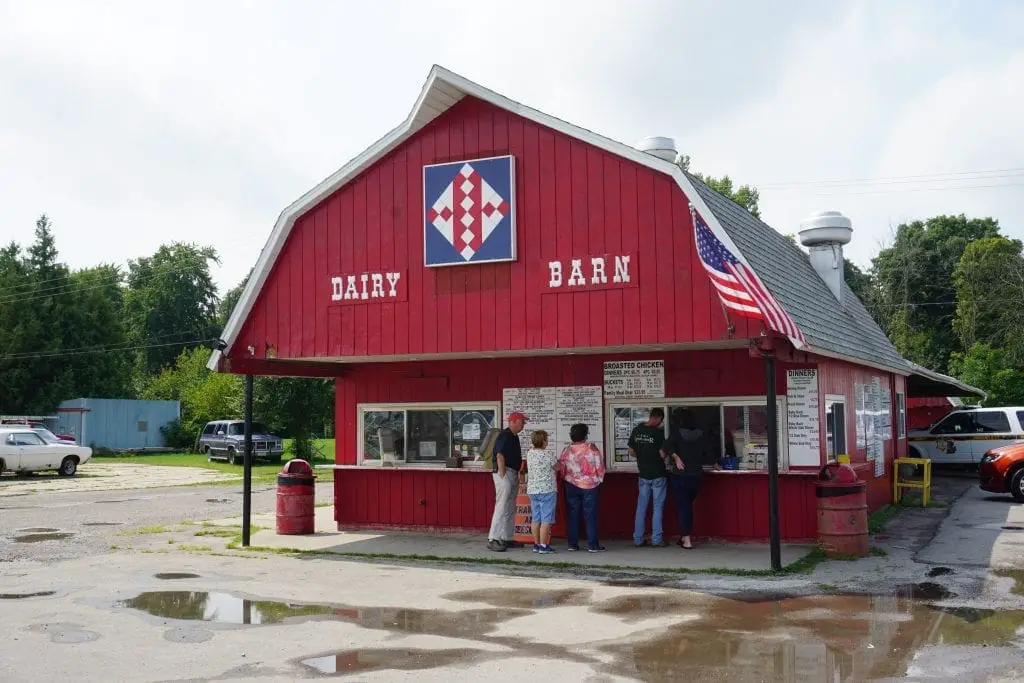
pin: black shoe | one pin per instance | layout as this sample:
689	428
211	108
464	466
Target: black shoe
573	548
496	546
596	549
512	544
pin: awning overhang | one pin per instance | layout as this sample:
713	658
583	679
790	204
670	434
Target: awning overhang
925	383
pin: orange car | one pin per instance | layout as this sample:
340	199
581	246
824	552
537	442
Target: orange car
1002	470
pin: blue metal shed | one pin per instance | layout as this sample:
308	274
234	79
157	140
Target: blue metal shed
117	424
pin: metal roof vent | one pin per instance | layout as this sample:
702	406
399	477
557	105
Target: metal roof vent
663	148
824	234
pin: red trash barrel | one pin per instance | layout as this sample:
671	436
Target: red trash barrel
295	498
842	511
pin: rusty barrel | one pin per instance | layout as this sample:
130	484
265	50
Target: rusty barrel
295	498
842	511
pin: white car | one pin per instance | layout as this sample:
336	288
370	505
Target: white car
22	449
964	436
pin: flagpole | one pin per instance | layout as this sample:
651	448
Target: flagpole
773	460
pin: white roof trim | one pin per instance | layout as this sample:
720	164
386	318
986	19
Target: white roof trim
441	91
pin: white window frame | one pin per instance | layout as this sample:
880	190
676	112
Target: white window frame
831	400
901	415
450	406
721	402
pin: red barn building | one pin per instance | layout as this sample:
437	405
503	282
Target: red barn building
485	257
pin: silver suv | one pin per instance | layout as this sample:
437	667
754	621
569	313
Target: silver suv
224	440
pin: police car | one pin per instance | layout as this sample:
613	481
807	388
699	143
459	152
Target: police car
964	436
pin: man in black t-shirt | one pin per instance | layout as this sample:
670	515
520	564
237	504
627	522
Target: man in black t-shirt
508	460
645	446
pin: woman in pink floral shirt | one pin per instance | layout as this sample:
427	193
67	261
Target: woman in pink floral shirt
582	467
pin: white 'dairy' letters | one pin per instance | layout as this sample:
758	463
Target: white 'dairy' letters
365	286
597	272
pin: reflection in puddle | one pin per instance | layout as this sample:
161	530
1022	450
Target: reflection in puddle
22	596
36	530
231	609
523	598
39	538
1018	579
353	661
101	523
939	571
174	576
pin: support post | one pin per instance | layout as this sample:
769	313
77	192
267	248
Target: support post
773	461
247	464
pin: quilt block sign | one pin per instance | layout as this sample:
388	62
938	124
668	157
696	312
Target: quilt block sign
469	212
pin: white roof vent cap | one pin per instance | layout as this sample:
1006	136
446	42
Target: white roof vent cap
663	148
825	227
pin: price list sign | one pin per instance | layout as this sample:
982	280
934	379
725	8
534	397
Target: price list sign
634	379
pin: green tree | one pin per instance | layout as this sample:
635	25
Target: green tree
746	196
988	368
296	407
862	283
204	395
989	281
230	300
914	290
171	304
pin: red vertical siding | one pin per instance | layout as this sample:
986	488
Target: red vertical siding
837	377
572	201
731	506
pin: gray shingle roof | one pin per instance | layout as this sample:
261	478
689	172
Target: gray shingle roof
786	271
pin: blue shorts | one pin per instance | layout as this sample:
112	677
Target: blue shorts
542	507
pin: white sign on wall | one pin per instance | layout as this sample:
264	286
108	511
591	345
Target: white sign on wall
802	417
634	379
556	410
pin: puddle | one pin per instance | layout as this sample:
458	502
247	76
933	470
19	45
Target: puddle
226	608
1018	578
173	576
1011	527
523	598
39	538
218	500
65	633
939	571
36	530
646	605
119	500
102	523
22	596
188	635
355	661
635	583
926	590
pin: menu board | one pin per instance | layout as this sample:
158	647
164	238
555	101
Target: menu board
802	417
555	410
886	413
634	379
625	418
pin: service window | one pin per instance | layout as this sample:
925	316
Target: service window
991	421
426	434
957	423
901	415
835	427
737	426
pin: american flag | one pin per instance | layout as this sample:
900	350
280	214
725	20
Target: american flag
738	286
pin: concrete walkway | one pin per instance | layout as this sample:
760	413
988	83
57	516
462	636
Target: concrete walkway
472	547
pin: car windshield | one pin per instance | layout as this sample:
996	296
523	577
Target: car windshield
46	435
238	429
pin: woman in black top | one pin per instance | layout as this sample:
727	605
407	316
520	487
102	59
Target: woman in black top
689	448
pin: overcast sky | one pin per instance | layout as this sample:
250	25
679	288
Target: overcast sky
136	123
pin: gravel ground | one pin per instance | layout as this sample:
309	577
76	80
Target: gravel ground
96	520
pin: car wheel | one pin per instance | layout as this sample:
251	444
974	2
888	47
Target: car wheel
1017	485
232	456
68	466
1	466
206	452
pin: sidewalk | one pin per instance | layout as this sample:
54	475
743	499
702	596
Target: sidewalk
471	547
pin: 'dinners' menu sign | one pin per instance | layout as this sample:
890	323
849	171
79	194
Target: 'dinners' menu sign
802	417
634	379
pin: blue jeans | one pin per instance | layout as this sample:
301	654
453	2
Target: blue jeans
657	488
685	488
577	499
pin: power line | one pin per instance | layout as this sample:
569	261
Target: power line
941	177
917	189
118	349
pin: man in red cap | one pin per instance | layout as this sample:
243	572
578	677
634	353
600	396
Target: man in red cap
508	460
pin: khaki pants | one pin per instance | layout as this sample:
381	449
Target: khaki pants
503	522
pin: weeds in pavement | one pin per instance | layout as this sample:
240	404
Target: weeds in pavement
881	518
195	548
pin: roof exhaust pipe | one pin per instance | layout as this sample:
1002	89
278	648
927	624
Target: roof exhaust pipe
663	148
824	234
